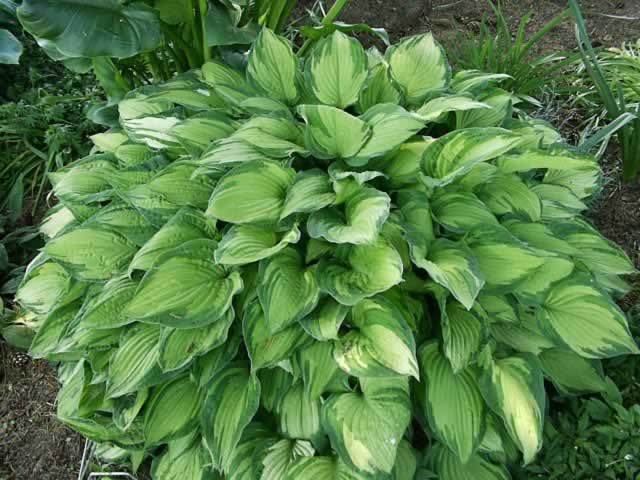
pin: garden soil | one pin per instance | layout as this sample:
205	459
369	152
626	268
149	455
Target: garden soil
34	446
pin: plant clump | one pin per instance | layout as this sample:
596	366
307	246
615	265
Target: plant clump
349	266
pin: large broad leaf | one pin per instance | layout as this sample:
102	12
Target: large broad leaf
265	349
523	335
47	286
378	89
366	428
500	108
381	343
453	266
436	109
227	82
299	414
280	456
505	194
134	364
180	463
514	389
419	66
364	214
571	373
185	288
246	458
336	70
92	28
273	67
579	315
317	367
331	132
10	47
197	132
360	271
47	339
276	136
107	311
253	192
461	211
231	400
452	402
222	29
404	165
462	334
288	290
391	125
92	253
321	468
456	153
311	191
450	467
246	244
171	411
325	321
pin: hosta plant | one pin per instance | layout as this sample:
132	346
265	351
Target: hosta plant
349	266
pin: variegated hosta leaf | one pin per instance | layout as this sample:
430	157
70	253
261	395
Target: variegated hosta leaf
246	458
452	402
124	220
581	316
538	282
107	311
524	335
266	349
331	132
197	132
247	244
377	89
336	70
453	266
134	364
360	271
287	290
47	286
456	153
227	82
434	110
86	182
182	462
253	192
365	211
188	224
325	320
416	217
381	344
506	194
366	427
571	373
311	191
92	253
230	402
514	389
185	288
178	347
172	411
403	166
413	55
449	467
276	136
500	104
461	211
317	367
273	67
321	468
462	334
299	414
538	235
535	159
391	125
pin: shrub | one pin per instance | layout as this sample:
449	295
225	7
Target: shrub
358	267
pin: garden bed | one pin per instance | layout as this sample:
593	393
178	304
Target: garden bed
34	445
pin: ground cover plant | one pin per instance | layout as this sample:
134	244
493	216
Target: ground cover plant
351	266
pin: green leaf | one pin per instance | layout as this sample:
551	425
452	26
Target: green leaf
186	225
231	400
391	125
171	411
311	191
365	428
273	67
434	110
579	315
514	389
107	311
321	468
134	365
336	70
452	403
299	414
404	165
500	108
47	286
456	153
197	132
246	244
450	467
365	212
419	66
221	29
380	344
276	136
360	271
287	291
179	463
317	367
453	266
92	253
10	49
106	28
246	458
324	322
377	89
253	192
49	333
331	132
523	336
185	288
462	334
505	194
264	348
281	455
572	374
461	211
230	84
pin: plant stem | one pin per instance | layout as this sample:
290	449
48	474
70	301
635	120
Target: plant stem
178	42
332	14
206	51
